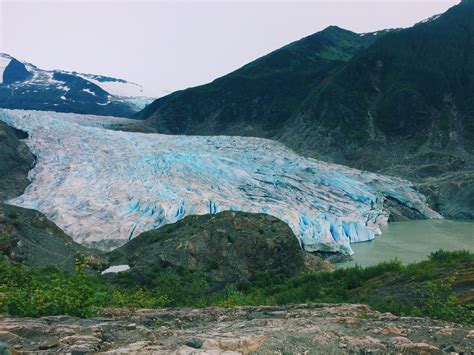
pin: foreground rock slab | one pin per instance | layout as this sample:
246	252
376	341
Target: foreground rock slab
304	329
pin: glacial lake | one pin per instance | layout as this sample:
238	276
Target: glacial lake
413	241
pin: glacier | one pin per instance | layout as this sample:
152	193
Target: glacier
104	187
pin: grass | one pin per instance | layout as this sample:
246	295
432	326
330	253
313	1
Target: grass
427	288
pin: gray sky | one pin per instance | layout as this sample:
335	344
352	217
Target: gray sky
171	45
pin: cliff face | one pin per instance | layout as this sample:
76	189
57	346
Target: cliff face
15	161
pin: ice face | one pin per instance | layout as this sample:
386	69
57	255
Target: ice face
104	187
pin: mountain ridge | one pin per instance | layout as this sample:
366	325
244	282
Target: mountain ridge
269	87
26	86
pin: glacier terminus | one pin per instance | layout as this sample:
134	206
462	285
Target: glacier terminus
104	187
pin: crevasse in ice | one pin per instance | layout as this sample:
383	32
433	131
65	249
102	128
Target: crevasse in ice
103	187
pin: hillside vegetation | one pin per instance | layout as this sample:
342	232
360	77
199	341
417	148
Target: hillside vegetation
439	287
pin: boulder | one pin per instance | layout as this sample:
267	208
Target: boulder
227	247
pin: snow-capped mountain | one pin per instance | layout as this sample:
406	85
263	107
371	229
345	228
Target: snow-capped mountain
25	86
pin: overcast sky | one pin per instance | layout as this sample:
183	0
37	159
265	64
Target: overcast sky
171	45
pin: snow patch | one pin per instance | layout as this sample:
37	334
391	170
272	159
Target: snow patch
115	269
430	19
118	88
4	61
139	103
89	91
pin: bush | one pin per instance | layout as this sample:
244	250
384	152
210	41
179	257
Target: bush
31	292
5	243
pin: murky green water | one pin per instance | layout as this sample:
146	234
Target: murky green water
413	241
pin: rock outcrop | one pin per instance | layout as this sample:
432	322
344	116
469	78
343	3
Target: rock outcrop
16	160
227	248
452	194
29	238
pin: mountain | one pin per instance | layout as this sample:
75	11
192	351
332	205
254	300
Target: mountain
404	106
400	103
25	86
258	98
410	92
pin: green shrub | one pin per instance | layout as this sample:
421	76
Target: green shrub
5	243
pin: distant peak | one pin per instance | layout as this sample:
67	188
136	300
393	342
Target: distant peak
5	55
334	28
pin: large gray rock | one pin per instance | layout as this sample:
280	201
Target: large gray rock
227	247
15	161
28	237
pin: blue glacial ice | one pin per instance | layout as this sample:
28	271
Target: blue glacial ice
103	187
